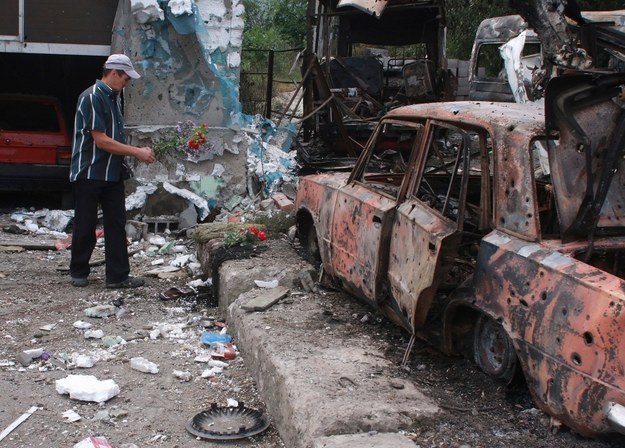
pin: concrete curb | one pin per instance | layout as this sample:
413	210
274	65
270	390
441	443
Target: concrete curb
320	380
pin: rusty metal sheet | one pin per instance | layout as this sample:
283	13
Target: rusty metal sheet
374	7
359	240
567	320
420	244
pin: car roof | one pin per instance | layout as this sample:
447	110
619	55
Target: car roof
528	118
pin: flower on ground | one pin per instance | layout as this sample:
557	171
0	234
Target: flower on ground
244	237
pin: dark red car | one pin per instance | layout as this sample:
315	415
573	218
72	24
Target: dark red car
35	147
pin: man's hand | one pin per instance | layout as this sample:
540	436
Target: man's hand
145	154
106	143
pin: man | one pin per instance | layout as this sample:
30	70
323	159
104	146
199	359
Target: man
96	174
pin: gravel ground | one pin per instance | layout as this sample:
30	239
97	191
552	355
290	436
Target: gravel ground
38	309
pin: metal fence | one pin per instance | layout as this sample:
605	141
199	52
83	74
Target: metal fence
264	75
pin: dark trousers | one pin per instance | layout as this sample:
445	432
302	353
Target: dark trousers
111	197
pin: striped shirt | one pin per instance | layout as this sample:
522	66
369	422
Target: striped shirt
98	109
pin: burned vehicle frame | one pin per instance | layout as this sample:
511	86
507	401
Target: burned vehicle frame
346	90
496	234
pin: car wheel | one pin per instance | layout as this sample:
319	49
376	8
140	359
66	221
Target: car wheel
493	350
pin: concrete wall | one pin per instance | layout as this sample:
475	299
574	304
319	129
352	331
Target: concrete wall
188	54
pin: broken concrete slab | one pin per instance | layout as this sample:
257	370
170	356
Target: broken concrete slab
375	440
238	276
262	299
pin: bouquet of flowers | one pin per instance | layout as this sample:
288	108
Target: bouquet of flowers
244	237
187	138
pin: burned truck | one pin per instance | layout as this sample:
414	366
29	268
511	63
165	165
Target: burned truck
494	231
365	57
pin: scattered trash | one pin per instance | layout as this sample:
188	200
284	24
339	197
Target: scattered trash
83	361
213	371
71	416
26	357
112	341
82	325
210	338
48	327
143	365
176	293
94	334
18	422
182	375
93	442
231	402
101	311
269	285
87	388
227	423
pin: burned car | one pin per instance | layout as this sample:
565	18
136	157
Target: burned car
495	231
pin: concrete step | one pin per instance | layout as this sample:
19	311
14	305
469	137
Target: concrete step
323	376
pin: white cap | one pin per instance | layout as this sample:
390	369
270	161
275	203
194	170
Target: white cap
121	62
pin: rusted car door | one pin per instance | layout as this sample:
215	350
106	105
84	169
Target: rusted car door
449	194
365	207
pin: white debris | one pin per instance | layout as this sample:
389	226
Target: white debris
157	240
57	220
180	7
83	361
158	262
209	373
196	200
71	415
138	198
217	363
182	375
87	388
143	365
269	285
180	261
218	170
93	334
232	403
82	325
145	11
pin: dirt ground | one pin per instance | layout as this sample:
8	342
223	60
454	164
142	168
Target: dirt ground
38	309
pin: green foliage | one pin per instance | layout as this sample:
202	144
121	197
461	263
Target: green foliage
463	18
279	222
290	18
244	237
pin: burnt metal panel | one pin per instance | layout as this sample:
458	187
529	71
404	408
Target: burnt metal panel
361	224
421	245
69	21
567	321
9	19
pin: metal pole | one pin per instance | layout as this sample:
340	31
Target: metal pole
269	85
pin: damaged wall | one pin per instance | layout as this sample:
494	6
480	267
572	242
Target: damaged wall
188	53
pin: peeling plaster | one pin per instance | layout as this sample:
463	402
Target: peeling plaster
145	11
189	54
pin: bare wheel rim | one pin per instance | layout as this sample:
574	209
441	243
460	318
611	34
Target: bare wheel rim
493	349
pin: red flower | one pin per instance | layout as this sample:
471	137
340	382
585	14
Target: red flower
261	236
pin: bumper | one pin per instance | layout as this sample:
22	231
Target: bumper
615	414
